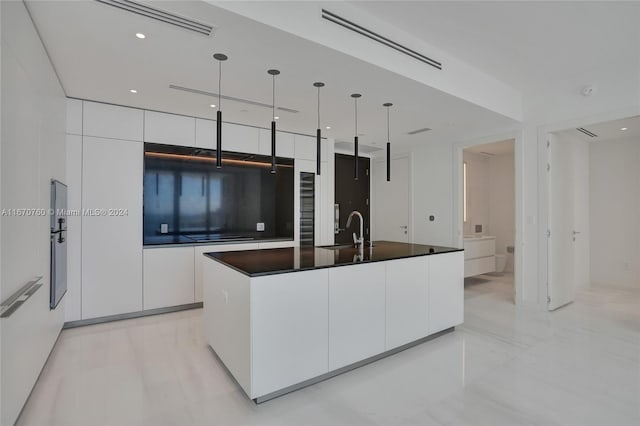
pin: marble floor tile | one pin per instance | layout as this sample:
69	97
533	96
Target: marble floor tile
579	365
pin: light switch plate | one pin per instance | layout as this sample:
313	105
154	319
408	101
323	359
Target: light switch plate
164	228
260	226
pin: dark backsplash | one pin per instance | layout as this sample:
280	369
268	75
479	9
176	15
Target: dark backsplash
200	203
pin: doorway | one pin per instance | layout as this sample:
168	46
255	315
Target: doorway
489	218
592	208
350	195
392	200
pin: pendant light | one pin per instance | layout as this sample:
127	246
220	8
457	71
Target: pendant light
318	84
273	74
355	97
388	105
220	57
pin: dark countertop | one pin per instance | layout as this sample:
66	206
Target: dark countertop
255	263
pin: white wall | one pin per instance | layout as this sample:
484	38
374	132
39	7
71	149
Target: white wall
491	199
33	152
614	211
478	192
502	204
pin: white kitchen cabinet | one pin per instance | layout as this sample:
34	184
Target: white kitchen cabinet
289	318
206	134
285	143
306	148
168	277
74	116
111	121
199	258
407	300
240	138
73	180
446	291
356	313
169	129
111	227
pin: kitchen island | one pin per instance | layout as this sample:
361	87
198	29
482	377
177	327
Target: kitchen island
281	319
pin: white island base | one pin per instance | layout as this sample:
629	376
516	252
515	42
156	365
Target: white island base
281	332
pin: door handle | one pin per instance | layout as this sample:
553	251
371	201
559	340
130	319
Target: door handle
404	226
576	232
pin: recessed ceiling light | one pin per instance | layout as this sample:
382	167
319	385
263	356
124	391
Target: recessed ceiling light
276	118
624	128
212	105
141	36
328	127
133	91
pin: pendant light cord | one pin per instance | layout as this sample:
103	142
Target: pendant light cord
273	99
318	107
219	85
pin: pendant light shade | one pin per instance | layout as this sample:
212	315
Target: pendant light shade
387	106
355	97
318	84
220	57
273	74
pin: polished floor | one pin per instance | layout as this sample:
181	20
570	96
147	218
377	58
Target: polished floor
579	365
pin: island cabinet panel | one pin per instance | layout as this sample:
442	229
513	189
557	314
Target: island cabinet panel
199	259
167	277
446	291
356	313
407	300
289	321
227	319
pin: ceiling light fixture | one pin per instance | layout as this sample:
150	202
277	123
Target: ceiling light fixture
388	105
212	105
276	118
328	127
318	85
355	97
141	36
273	73
133	91
624	128
220	57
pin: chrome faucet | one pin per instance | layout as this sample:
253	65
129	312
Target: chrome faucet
357	241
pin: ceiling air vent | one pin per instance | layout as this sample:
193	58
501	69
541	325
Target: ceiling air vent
230	98
160	15
586	132
332	17
415	132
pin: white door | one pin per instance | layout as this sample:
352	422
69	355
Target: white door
391	200
561	242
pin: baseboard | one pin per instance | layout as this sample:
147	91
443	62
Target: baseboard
130	315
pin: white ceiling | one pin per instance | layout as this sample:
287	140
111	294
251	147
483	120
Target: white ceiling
97	56
609	130
506	147
533	46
